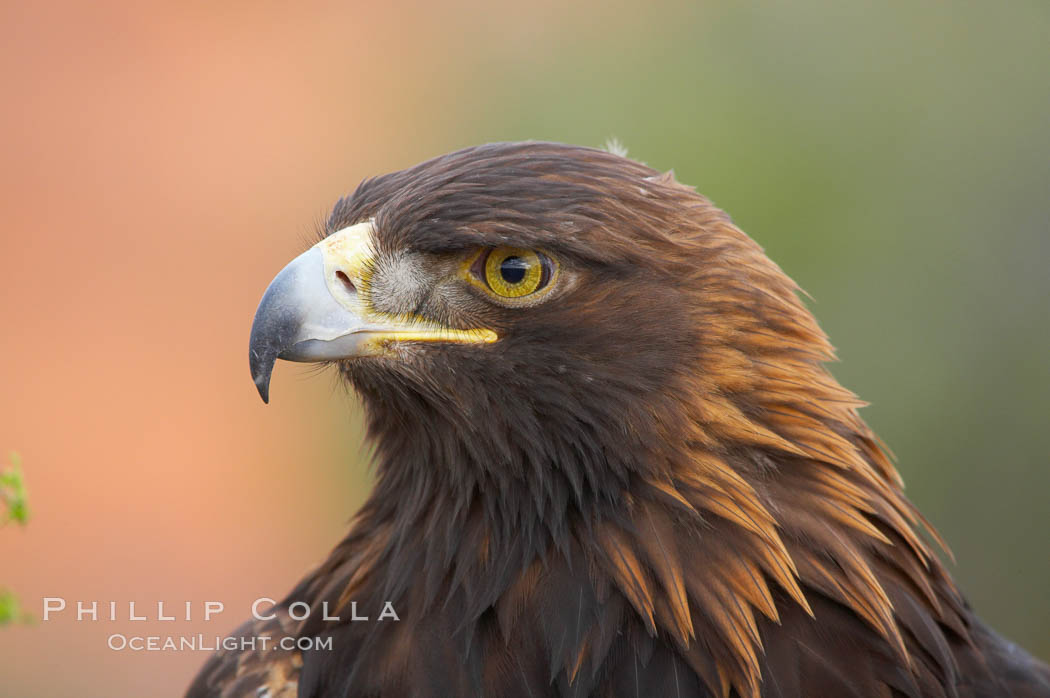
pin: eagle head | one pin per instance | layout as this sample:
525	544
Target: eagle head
540	297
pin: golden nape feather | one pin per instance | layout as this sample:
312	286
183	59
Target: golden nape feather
609	459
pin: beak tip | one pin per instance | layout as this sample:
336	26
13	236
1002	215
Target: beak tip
260	376
262	369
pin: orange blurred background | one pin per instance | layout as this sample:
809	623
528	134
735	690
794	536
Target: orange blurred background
161	162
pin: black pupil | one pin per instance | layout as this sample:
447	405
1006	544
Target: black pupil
513	270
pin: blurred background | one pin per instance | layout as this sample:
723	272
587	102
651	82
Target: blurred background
161	161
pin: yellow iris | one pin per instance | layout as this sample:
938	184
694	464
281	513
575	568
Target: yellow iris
512	272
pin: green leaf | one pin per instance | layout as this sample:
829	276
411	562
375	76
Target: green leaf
13	499
11	609
13	507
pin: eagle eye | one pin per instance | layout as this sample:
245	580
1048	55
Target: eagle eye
511	273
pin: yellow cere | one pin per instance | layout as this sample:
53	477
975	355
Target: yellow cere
348	251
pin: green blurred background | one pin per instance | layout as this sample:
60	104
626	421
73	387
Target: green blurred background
164	160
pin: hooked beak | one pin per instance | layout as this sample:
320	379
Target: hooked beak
317	309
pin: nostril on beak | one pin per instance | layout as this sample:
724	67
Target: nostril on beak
347	283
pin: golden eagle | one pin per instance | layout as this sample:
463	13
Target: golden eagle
610	461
